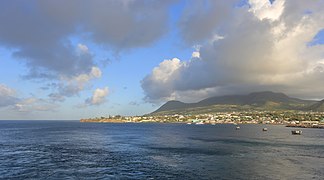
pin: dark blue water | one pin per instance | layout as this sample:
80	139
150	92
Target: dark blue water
73	150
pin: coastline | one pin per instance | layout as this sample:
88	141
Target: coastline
288	119
102	120
305	126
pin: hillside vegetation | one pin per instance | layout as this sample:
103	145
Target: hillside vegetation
262	101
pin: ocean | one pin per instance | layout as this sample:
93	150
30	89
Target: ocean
74	150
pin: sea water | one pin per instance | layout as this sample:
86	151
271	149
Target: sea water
74	150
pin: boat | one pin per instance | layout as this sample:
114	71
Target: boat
296	132
265	129
237	127
189	123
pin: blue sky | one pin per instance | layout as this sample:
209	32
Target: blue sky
79	59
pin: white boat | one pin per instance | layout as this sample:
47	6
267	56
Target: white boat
265	129
188	123
237	127
296	132
199	123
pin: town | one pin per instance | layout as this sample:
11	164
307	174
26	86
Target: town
288	118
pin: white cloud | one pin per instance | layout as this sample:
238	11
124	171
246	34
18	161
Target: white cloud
98	97
195	54
160	81
95	72
70	86
253	54
166	70
83	48
264	9
84	78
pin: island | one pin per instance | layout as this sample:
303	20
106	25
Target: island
288	118
254	108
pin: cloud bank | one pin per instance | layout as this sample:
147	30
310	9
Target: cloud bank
10	100
244	48
7	96
33	104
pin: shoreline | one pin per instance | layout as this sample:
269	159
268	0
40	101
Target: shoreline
120	121
305	126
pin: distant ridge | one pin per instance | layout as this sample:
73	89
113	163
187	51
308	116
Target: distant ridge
171	105
265	100
319	107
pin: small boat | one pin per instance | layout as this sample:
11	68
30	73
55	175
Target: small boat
296	132
265	129
199	123
188	123
237	127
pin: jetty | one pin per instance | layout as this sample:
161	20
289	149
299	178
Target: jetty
305	126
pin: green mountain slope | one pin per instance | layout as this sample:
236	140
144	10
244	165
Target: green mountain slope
255	101
319	107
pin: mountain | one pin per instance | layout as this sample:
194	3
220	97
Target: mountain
257	98
171	105
266	100
319	106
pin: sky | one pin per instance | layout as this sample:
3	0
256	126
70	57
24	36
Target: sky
81	59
